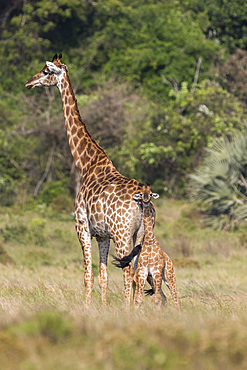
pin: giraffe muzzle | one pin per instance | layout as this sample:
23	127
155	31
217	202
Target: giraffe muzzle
29	85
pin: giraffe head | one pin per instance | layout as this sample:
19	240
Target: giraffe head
145	196
49	75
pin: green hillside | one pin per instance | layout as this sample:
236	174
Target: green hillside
156	82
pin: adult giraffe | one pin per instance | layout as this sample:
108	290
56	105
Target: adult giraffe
104	207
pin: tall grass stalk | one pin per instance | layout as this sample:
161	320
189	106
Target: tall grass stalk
44	322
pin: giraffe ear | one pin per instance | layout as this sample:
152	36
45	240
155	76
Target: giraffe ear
52	68
54	58
155	195
136	196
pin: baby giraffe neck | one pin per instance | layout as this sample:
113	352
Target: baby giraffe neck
148	225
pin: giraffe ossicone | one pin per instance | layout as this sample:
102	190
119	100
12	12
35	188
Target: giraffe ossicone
104	207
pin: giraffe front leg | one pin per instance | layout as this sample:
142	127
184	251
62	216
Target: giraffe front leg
84	237
103	244
88	275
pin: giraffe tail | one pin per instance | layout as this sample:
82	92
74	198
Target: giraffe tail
125	261
149	292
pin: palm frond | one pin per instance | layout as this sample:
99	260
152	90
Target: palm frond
219	185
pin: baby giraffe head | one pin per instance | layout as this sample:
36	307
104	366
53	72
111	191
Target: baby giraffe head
49	75
145	196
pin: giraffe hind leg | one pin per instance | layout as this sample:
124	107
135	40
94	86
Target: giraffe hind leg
128	271
170	281
103	244
150	292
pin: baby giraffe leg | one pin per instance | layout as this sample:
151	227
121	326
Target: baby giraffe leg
170	280
141	277
134	282
157	276
135	288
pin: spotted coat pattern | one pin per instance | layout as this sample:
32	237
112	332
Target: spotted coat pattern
104	207
152	260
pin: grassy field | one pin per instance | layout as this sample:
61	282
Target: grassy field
44	323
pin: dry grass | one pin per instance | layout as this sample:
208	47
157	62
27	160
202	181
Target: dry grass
44	322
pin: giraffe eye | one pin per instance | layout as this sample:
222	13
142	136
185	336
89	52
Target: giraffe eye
47	72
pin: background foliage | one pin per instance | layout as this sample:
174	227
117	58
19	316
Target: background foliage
161	85
156	82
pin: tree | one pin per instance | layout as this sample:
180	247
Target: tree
223	20
153	121
219	185
233	74
180	132
30	29
143	41
33	143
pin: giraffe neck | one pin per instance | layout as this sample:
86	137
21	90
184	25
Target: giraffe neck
84	148
148	225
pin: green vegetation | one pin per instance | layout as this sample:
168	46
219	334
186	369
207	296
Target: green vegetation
162	88
219	184
44	322
156	83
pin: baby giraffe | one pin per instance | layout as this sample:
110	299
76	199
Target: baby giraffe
152	260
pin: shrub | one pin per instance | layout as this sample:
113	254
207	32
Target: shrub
47	324
177	137
219	185
15	232
4	257
62	203
233	74
21	233
52	190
